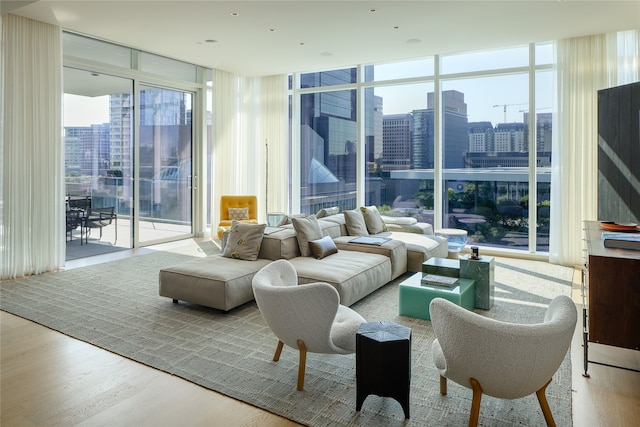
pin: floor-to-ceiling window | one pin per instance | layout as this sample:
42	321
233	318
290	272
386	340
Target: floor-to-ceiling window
134	123
459	141
328	141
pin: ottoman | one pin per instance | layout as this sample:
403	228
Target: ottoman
415	297
212	281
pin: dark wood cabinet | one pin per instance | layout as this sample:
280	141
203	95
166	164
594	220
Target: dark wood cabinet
613	290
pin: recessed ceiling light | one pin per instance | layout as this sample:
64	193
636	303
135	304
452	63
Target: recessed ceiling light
326	54
272	30
396	27
94	74
301	43
235	14
414	41
372	10
211	41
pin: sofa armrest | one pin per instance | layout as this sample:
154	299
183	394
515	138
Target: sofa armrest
417	228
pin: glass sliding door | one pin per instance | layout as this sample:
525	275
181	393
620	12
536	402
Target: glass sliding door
164	162
98	140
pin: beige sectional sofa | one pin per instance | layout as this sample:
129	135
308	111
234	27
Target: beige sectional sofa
355	270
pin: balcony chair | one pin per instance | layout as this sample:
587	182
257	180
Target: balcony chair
503	360
305	317
75	219
99	218
243	208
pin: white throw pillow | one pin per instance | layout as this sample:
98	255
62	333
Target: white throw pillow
400	220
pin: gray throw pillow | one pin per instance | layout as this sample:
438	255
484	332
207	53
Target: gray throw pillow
243	241
307	229
355	223
373	220
322	247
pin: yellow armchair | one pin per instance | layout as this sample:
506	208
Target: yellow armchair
235	202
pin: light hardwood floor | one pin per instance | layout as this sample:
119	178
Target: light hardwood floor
50	379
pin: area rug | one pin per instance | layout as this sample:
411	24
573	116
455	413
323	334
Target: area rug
116	306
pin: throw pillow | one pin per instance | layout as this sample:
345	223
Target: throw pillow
238	213
373	220
287	219
307	229
243	241
400	220
322	247
328	212
355	223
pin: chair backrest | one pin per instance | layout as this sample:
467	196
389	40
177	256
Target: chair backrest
509	360
73	219
295	311
246	201
100	216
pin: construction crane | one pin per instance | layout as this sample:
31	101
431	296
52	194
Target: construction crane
504	106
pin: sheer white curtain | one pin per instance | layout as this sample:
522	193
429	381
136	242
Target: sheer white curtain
275	122
250	113
32	214
584	66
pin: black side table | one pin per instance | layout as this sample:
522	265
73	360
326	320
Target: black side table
383	362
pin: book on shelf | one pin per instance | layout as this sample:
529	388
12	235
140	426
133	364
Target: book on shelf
621	240
435	280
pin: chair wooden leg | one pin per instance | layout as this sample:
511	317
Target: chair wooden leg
302	364
475	403
542	399
276	356
443	385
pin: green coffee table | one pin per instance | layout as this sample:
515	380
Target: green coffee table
415	297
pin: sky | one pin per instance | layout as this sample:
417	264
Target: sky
85	110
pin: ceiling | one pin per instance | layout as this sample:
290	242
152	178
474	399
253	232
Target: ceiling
275	37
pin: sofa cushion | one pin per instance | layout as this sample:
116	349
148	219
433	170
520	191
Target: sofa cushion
322	248
354	274
355	223
372	219
307	229
420	247
394	249
281	244
243	241
334	225
416	227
